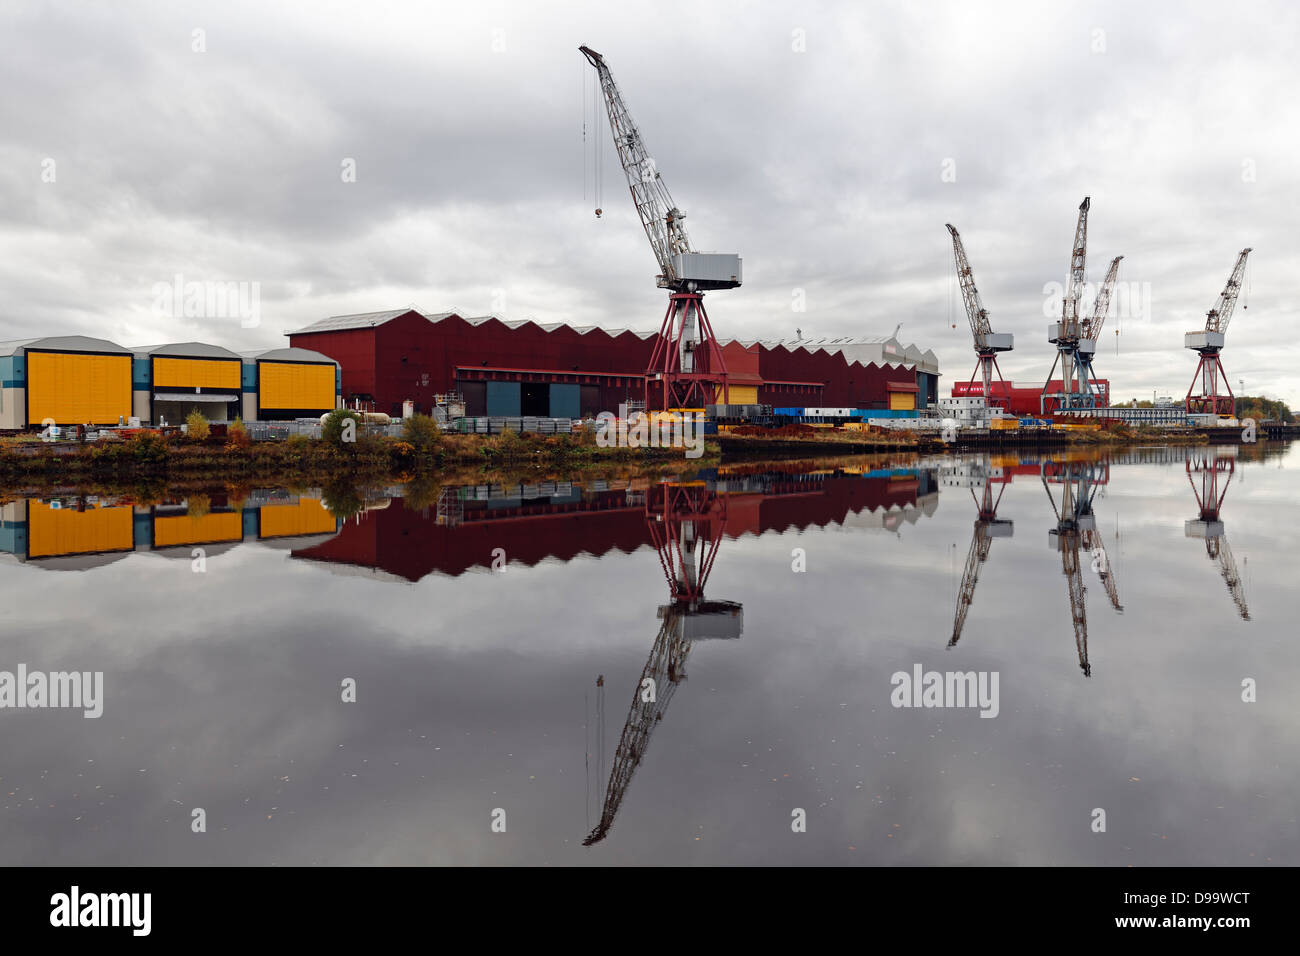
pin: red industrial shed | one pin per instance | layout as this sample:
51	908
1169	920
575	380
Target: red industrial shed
529	368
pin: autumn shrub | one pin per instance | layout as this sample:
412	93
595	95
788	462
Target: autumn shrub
423	433
196	426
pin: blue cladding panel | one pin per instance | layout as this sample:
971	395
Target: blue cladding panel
566	401
503	399
12	372
140	374
248	377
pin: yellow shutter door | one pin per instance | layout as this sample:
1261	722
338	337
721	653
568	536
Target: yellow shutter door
903	401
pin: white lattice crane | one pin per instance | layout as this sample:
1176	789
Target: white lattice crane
1067	334
987	342
686	368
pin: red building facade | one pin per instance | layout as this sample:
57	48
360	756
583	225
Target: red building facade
388	358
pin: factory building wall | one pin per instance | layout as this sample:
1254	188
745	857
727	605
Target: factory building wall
287	390
410	357
77	388
13	391
843	384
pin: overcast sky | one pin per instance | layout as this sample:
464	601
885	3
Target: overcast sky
826	143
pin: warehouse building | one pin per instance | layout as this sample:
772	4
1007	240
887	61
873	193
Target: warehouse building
284	384
170	381
71	379
553	369
840	372
78	380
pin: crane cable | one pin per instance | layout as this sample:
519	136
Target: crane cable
582	85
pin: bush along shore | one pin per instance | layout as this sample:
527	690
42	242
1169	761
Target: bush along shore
345	449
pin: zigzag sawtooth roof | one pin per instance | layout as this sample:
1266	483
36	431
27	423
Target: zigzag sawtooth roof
863	349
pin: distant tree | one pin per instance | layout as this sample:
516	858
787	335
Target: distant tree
1263	409
334	430
196	426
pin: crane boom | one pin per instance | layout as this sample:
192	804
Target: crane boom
1217	319
987	343
663	671
1092	327
1078	261
1231	577
1093	541
975	311
660	217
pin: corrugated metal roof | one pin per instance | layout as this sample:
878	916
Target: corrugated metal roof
63	343
288	355
340	323
185	350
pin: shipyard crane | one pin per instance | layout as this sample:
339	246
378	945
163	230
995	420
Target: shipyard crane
1065	334
1209	524
987	342
686	521
1208	343
987	527
1090	332
1075	531
686	366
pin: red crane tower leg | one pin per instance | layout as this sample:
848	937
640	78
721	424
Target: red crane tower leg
1208	401
698	385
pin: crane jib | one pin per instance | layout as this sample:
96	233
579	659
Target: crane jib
681	268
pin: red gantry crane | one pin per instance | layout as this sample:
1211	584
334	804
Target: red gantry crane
987	342
1208	343
686	367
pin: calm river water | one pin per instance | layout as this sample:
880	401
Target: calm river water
739	633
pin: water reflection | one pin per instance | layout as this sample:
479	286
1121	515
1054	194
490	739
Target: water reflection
77	532
687	522
1210	471
223	687
532	523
